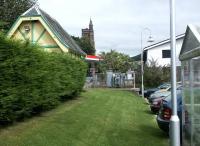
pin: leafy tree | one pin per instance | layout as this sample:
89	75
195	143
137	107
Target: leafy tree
115	61
85	45
10	10
155	74
2	24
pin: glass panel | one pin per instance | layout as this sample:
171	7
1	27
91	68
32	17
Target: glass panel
196	107
186	104
191	94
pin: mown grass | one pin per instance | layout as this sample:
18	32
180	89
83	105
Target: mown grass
100	117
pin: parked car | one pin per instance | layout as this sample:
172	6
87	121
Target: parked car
165	112
158	95
155	105
162	94
168	88
148	92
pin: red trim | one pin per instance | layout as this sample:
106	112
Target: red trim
93	57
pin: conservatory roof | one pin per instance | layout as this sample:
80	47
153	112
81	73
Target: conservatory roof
191	44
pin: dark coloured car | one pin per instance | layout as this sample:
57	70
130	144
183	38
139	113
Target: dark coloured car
160	95
155	104
155	99
148	92
165	111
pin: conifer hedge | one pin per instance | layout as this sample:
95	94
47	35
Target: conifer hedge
32	80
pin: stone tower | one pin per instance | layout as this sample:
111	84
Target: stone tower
89	33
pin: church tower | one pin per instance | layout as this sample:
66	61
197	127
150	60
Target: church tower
89	33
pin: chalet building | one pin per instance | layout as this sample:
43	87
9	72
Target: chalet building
38	27
161	53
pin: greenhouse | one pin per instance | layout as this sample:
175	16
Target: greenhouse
190	60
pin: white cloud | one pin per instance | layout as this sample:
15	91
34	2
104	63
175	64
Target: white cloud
118	23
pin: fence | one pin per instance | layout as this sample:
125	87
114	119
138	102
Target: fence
110	79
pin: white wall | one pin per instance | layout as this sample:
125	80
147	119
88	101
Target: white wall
156	53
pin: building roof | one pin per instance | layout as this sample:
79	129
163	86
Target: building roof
191	44
138	57
56	28
181	36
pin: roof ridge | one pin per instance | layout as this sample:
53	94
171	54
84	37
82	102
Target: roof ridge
37	8
27	11
195	32
56	27
163	41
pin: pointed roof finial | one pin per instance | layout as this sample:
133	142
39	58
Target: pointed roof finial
90	21
37	4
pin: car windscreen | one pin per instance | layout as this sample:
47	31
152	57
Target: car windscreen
163	86
179	97
168	98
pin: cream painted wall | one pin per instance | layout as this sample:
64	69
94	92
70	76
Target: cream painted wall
37	33
18	35
38	30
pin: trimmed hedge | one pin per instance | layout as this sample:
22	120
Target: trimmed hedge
32	80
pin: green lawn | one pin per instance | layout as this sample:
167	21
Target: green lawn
100	117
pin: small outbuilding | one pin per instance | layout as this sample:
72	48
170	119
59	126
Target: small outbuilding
190	61
40	28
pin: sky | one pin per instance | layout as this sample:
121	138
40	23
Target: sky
118	24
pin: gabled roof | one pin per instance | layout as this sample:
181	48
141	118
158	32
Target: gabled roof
191	43
56	28
181	36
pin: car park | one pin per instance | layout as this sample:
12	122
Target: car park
167	88
155	105
165	112
156	98
158	95
148	92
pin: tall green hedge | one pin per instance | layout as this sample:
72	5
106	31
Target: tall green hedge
32	80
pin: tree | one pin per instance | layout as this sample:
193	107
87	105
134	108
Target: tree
10	10
115	61
155	74
85	45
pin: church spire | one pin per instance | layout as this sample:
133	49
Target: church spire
91	21
91	25
89	33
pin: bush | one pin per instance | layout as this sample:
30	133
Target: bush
154	74
32	80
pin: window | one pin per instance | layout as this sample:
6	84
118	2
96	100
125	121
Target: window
166	53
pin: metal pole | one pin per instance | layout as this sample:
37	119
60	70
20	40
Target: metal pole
134	80
191	78
142	68
142	62
174	121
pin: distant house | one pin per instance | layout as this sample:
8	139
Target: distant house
38	27
161	52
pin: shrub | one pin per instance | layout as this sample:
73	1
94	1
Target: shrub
155	74
32	80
